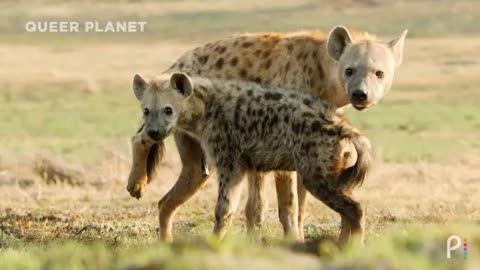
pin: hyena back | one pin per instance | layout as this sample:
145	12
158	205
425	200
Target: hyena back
246	127
343	67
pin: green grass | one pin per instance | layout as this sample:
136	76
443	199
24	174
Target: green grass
66	120
420	130
413	247
79	125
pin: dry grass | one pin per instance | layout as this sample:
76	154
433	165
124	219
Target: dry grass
456	60
53	172
437	197
406	193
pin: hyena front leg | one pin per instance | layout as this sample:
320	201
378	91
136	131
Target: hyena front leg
229	191
339	201
189	181
287	203
256	203
137	180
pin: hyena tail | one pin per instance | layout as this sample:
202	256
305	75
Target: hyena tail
155	155
356	174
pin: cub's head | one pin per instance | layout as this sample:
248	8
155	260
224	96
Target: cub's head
366	67
162	102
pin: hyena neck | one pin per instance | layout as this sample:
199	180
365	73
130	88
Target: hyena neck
334	92
323	79
191	119
337	96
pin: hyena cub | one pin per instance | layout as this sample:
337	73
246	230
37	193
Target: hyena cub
245	127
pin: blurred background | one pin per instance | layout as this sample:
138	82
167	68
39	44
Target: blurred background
67	112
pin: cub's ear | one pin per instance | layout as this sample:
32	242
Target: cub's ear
338	39
396	46
182	83
139	86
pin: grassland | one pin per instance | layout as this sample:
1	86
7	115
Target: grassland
66	107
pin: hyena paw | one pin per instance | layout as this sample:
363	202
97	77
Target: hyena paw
137	190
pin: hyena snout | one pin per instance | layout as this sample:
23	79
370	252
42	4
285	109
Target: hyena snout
359	95
155	134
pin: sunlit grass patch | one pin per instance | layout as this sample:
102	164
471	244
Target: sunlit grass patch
420	130
76	124
412	247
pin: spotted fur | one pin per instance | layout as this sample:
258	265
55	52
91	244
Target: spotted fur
313	62
308	141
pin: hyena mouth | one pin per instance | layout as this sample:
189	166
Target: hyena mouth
360	107
159	136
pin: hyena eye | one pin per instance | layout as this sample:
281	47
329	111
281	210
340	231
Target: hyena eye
379	74
168	111
349	72
146	111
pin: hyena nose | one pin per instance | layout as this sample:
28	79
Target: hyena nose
359	95
154	134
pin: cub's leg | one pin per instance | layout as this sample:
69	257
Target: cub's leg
347	156
137	180
189	181
229	190
287	203
256	203
339	201
345	231
302	206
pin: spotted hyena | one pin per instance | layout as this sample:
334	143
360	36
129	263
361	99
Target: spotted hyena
244	127
343	67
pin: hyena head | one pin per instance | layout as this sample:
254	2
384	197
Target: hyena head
365	67
162	102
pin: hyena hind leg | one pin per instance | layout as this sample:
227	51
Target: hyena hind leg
342	203
302	207
287	203
345	231
229	191
256	203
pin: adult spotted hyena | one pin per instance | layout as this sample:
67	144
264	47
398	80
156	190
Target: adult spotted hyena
243	127
342	68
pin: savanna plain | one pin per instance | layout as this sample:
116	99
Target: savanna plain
67	113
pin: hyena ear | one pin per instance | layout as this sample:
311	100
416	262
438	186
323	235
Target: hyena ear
182	83
139	86
396	46
338	39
